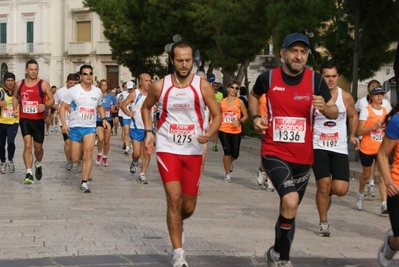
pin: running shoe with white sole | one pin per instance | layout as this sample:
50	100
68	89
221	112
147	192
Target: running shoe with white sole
98	159
260	177
384	208
227	178
84	188
359	202
133	167
142	179
273	262
105	161
269	187
324	229
179	260
11	167
385	253
372	191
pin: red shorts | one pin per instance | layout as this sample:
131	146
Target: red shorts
183	168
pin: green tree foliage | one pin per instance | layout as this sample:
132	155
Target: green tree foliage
227	33
330	26
231	33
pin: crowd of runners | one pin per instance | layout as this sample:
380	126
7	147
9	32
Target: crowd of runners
301	116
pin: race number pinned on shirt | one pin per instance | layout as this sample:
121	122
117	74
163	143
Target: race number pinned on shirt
229	116
289	129
182	133
8	112
30	107
86	113
107	113
328	139
377	135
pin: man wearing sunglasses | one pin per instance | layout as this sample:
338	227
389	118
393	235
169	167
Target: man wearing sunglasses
293	92
83	101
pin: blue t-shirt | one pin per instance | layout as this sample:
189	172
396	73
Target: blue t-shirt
107	101
392	129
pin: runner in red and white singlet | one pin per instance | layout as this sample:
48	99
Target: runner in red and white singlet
181	99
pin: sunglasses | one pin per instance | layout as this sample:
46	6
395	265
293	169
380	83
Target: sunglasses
87	73
233	87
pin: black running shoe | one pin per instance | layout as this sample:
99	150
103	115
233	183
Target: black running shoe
38	173
28	179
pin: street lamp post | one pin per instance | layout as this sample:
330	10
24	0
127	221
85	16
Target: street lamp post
168	49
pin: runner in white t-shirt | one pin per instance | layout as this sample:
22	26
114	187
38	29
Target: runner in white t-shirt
83	101
72	80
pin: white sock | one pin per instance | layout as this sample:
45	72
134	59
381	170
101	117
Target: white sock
178	251
371	183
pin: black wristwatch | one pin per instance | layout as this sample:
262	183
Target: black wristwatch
256	116
104	118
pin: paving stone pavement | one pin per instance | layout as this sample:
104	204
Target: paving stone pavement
122	222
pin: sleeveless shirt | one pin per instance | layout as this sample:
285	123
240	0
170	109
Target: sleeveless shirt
181	118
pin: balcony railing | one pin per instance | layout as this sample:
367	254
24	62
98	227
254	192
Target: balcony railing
80	48
103	48
30	48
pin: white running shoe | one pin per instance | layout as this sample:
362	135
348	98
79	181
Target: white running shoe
142	179
269	187
227	178
324	229
260	177
371	191
359	202
385	253
84	188
179	260
98	159
384	208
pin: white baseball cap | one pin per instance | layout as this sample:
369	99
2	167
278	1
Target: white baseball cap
130	85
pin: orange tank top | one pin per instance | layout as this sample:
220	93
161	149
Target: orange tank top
229	115
371	141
